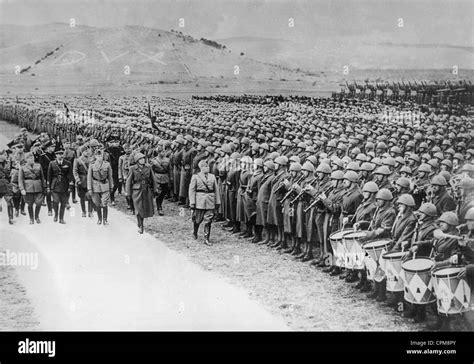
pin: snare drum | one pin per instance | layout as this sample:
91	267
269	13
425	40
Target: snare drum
416	274
337	248
392	263
453	294
374	250
354	252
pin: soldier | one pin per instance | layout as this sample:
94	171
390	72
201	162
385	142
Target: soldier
380	227
59	180
263	197
241	215
250	199
440	197
204	199
467	188
32	186
5	185
186	172
422	246
140	186
160	165
275	215
115	152
80	169
99	184
69	156
123	170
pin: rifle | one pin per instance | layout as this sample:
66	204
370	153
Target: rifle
290	191
317	199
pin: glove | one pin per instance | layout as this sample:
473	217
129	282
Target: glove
23	192
414	248
453	259
356	226
193	206
345	220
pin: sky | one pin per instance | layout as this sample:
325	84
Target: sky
424	21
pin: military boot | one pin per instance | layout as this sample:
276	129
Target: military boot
99	216
37	212
382	296
207	234
104	215
375	292
10	214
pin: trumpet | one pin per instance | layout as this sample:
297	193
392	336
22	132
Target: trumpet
291	190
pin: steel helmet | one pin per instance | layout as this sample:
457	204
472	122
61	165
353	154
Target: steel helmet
424	168
352	166
281	160
264	146
351	176
438	180
396	149
403	182
382	170
389	161
269	164
467	167
308	166
370	187
469	214
367	166
312	159
414	157
406	200
376	161
337	175
428	209
384	194
406	169
434	163
286	143
302	145
450	218
324	168
467	183
296	167
258	162
361	157
447	163
295	158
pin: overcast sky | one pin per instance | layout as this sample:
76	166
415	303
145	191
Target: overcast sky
424	21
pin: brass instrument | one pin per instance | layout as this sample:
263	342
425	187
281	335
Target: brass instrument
317	199
291	190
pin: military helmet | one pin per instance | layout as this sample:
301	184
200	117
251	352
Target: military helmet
438	180
406	200
424	168
351	176
281	160
352	166
469	214
450	218
308	166
286	143
403	182
428	209
295	167
324	168
467	183
389	161
367	166
370	187
269	164
382	170
264	146
338	175
258	162
384	194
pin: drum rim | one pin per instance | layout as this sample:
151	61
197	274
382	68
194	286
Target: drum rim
420	270
355	232
373	241
447	275
392	253
346	231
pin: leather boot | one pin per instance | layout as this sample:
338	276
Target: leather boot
258	234
283	245
363	279
61	214
352	277
37	212
292	245
99	215
382	296
228	224
55	208
236	228
297	248
267	238
207	234
140	224
104	215
195	230
336	271
10	214
367	287
345	274
420	314
30	214
329	269
411	312
442	323
375	292
392	301
248	232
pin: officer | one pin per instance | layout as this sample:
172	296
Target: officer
99	184
204	199
59	180
161	168
125	161
80	169
5	185
32	186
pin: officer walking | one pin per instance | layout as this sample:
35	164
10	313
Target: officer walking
32	186
100	183
59	182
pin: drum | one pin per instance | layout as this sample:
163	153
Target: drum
392	265
353	248
337	248
374	250
416	277
453	294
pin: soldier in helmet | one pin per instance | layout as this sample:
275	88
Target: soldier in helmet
141	187
440	197
125	161
32	186
204	199
263	197
420	183
99	184
241	215
421	246
379	228
160	166
5	185
80	169
250	199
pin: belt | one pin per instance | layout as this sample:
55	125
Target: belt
100	180
203	191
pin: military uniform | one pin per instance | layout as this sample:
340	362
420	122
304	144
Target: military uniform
59	180
100	184
161	166
80	170
32	184
6	188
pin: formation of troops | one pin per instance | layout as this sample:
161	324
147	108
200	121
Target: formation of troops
386	205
